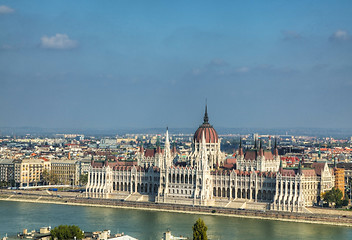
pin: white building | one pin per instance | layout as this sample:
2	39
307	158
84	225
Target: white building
259	178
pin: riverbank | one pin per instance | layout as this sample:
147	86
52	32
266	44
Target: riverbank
335	218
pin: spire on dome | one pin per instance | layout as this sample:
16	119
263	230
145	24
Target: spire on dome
206	118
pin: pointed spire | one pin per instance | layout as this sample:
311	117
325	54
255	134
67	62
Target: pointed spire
276	151
158	148
167	142
300	167
260	144
240	150
255	143
206	118
141	149
174	150
157	142
167	154
261	152
106	163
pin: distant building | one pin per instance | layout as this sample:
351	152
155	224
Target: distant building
340	179
6	170
28	172
258	159
67	171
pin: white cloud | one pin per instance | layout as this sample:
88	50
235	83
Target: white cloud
242	69
196	71
59	41
340	35
5	9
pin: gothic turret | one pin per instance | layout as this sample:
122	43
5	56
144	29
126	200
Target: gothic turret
167	154
141	148
276	151
106	162
300	167
240	149
261	152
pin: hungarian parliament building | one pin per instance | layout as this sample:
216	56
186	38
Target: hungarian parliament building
258	181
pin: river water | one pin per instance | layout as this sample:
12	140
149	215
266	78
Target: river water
14	216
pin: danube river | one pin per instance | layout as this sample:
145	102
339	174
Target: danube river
14	216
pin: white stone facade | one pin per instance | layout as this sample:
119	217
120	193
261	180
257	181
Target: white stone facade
259	178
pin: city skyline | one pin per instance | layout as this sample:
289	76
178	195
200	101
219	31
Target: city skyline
116	65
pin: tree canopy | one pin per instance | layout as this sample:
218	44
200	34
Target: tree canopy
84	179
333	196
49	178
200	230
66	232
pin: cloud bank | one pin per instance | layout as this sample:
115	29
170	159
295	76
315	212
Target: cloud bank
340	35
59	41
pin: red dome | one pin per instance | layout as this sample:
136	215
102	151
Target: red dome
210	134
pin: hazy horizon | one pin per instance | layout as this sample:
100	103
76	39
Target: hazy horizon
123	64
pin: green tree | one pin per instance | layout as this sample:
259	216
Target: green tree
66	232
46	176
84	179
333	196
200	230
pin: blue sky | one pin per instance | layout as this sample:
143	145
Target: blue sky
141	64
